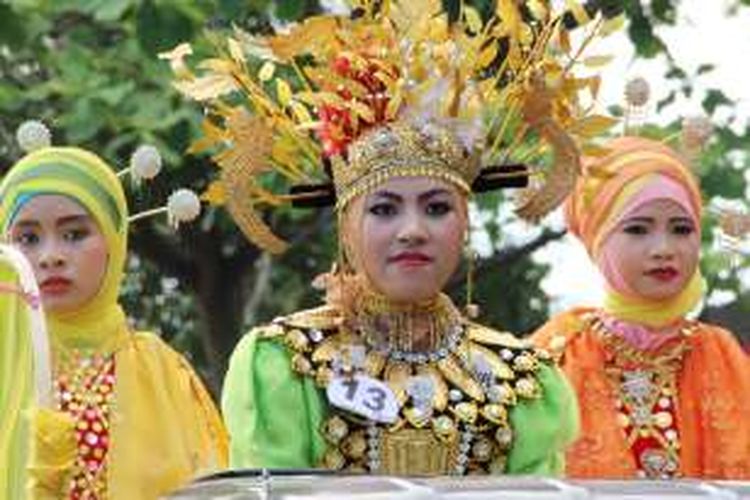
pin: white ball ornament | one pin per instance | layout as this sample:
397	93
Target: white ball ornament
696	130
182	206
637	92
33	135
145	163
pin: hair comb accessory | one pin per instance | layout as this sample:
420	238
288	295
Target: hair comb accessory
335	105
695	132
145	164
489	179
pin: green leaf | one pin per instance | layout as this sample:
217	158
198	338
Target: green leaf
233	9
289	10
641	32
11	98
161	27
676	72
82	122
101	10
723	180
110	10
663	103
705	68
664	10
113	95
616	110
12	25
715	98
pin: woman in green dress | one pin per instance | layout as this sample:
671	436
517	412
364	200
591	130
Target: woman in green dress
388	376
406	104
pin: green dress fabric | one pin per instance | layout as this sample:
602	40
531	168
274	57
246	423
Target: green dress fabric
274	415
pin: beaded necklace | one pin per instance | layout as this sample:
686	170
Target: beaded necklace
645	384
85	390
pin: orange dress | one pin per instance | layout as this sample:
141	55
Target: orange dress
703	407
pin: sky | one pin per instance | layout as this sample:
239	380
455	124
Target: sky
703	34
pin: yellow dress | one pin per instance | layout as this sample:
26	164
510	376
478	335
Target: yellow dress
143	422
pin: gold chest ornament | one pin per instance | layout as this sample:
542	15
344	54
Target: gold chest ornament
454	402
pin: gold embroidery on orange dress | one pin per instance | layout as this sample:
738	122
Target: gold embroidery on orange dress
645	388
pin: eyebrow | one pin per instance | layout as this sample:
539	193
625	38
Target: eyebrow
681	218
640	218
422	197
650	220
26	223
67	219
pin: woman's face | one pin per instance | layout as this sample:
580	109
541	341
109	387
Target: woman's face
410	237
656	249
66	248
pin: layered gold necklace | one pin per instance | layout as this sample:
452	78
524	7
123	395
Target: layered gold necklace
417	332
455	383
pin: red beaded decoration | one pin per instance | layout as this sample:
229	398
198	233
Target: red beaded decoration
85	391
645	390
646	410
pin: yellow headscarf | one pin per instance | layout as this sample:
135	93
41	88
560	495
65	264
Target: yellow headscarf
100	325
602	195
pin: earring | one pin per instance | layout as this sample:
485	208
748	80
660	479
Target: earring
471	308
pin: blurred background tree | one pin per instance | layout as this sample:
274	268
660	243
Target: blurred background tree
89	69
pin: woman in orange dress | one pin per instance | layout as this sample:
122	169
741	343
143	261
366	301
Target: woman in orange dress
661	395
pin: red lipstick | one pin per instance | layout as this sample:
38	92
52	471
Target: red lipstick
410	259
55	285
663	274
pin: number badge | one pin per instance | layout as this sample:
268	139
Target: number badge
364	396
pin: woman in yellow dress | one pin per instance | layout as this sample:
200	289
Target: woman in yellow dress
144	423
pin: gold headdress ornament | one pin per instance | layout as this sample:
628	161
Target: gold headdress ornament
183	205
399	88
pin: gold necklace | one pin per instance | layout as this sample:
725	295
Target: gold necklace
414	332
645	384
454	412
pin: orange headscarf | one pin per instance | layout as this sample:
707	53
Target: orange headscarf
631	158
606	191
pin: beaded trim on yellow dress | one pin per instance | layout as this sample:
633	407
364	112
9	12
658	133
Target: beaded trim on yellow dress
464	428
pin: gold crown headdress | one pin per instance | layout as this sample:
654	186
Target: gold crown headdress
183	205
398	88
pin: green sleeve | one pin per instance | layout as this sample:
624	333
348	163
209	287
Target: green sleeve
544	427
273	415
